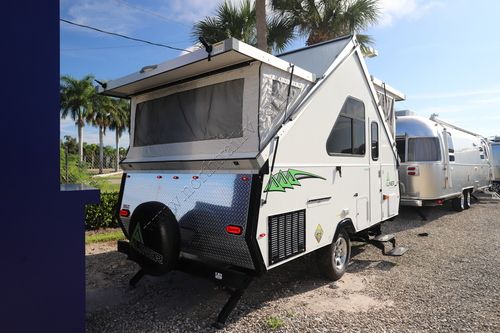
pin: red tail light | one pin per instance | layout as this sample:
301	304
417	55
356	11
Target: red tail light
124	213
245	178
412	171
439	201
234	229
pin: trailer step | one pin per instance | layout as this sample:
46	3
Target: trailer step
397	251
384	238
380	241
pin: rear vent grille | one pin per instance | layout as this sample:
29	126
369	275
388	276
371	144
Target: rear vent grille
287	235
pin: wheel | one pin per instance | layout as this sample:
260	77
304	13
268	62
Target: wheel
495	187
334	258
458	203
467	194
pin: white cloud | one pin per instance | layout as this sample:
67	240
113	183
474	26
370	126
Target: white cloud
104	14
191	11
394	10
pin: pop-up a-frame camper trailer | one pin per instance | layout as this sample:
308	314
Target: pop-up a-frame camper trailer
241	161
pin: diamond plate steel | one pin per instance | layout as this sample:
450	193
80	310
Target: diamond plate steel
204	204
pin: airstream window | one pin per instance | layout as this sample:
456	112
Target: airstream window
401	147
205	113
348	133
374	137
423	149
451	149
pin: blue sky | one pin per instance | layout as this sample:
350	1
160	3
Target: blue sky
444	55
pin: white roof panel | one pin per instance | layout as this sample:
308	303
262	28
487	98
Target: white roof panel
317	58
224	54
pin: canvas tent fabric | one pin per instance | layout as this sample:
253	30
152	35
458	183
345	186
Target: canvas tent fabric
196	120
205	113
277	97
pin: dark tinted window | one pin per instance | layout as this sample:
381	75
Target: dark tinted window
423	149
451	149
374	140
401	147
348	133
205	113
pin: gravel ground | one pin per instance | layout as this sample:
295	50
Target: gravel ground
447	281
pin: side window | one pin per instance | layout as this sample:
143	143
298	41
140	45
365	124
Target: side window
348	133
451	149
374	142
401	148
423	149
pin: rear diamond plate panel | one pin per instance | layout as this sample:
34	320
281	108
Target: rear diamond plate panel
203	206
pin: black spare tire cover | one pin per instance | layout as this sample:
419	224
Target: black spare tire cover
154	238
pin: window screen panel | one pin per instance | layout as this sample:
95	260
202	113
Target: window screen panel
423	149
206	113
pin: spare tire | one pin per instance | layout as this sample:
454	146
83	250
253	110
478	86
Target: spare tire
154	238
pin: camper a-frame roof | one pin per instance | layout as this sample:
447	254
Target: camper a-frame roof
194	107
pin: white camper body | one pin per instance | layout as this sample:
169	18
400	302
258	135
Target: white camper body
439	162
494	143
256	171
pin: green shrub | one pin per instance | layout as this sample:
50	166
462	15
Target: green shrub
102	215
274	323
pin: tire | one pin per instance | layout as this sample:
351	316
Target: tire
458	203
467	196
495	187
154	238
334	258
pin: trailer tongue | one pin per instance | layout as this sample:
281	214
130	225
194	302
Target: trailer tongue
240	161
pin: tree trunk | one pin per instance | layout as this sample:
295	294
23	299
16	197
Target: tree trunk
101	148
260	12
117	137
80	142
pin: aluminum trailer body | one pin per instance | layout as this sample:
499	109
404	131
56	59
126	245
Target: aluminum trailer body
439	162
243	161
494	143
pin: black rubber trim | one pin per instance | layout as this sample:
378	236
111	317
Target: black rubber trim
119	204
252	220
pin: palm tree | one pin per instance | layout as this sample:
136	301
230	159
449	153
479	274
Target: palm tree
321	20
76	101
120	119
100	116
240	22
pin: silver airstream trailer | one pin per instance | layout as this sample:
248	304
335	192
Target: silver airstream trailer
439	162
494	143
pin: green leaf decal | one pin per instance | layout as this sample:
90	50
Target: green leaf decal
282	180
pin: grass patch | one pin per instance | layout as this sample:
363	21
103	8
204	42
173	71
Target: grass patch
274	322
107	187
104	237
